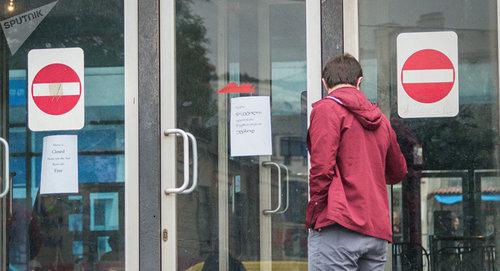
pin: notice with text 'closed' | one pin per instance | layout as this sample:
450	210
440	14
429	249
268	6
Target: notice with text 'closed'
59	165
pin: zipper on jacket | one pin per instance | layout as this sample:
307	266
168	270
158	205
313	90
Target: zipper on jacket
313	212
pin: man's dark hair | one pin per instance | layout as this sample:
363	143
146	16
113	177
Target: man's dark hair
343	69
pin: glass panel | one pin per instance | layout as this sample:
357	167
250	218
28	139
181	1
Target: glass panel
196	111
287	26
448	201
262	43
84	230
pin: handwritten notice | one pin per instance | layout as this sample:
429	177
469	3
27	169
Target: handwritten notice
59	165
251	126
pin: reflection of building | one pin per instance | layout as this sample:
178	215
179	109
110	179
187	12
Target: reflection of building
93	214
443	198
62	232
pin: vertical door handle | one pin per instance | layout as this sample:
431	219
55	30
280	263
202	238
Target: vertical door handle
273	164
194	146
285	168
6	170
179	132
11	178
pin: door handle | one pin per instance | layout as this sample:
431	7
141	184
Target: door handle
11	178
194	146
285	168
6	170
273	164
185	143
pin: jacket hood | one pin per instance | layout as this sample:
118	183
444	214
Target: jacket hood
368	114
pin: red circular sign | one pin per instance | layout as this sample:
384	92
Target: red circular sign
56	89
428	76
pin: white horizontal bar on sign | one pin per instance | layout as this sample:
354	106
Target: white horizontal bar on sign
56	89
428	76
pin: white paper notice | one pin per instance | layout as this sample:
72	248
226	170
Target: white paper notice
251	126
59	165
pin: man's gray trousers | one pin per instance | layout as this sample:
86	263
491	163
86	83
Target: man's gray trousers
337	248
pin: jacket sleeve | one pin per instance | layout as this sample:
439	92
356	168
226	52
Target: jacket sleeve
395	163
323	142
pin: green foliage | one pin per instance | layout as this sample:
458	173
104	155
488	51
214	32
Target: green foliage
96	27
464	142
194	72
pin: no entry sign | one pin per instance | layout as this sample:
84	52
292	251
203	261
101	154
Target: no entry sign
427	74
56	89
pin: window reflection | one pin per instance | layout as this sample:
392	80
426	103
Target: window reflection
264	44
103	211
75	231
440	209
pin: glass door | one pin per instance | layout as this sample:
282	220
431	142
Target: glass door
81	230
241	212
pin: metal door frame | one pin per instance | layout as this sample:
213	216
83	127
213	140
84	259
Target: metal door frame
4	86
131	135
168	120
148	129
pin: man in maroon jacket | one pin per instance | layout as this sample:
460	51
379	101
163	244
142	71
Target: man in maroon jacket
354	154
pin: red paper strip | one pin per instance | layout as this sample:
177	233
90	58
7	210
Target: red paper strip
232	87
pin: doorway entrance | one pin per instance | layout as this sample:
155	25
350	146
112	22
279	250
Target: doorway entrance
244	212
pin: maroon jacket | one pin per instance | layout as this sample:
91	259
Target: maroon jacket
354	154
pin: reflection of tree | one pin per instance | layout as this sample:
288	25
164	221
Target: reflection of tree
463	142
95	26
194	71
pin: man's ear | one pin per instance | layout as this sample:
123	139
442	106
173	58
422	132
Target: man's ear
358	83
324	83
